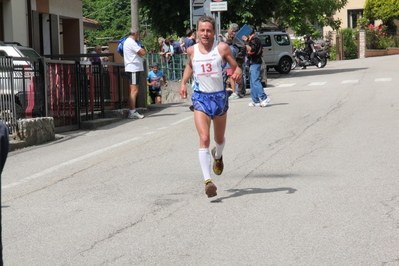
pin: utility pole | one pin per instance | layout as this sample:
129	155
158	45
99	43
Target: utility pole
141	101
135	13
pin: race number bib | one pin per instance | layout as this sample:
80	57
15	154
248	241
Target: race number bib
205	67
156	83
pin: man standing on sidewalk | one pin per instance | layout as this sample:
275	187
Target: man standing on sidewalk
132	57
210	101
254	48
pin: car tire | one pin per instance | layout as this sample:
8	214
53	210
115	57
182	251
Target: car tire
284	66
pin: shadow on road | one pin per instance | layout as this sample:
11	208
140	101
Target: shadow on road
248	191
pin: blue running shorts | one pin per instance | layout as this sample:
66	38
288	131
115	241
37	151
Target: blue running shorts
211	103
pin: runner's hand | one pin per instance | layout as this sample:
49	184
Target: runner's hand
183	91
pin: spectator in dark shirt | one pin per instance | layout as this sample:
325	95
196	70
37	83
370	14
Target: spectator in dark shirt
189	40
255	50
176	46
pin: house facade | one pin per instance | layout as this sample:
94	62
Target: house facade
350	14
48	26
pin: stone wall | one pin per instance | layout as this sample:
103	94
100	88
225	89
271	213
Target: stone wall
35	131
170	94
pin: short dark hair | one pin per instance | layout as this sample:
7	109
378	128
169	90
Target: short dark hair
207	19
189	32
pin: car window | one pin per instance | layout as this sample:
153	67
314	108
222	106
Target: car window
282	39
29	53
265	40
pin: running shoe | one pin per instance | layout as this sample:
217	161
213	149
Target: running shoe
217	163
210	189
135	115
234	96
264	102
254	104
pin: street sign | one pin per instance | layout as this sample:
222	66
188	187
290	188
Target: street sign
218	6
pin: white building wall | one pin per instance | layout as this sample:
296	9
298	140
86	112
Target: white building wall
15	21
343	14
69	9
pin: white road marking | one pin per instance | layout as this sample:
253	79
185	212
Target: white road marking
286	85
181	120
350	81
84	157
56	167
383	79
317	83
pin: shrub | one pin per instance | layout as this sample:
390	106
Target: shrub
375	37
333	53
350	45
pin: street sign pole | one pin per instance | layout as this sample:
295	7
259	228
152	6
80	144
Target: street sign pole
216	7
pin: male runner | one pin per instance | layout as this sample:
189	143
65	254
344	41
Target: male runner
210	99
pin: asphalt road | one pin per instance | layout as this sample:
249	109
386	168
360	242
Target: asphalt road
312	179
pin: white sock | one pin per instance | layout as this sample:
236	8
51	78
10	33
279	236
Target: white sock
132	111
205	162
219	149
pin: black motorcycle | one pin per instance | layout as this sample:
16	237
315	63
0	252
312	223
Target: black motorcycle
302	59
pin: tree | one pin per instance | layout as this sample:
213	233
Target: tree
386	10
114	18
381	9
166	17
172	17
303	15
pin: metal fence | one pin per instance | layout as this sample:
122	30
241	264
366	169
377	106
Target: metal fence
69	91
173	67
21	90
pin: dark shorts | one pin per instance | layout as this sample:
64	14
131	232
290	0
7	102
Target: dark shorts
211	103
134	78
154	94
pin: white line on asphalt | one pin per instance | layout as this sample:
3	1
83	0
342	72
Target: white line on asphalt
383	79
54	168
350	81
317	83
286	85
181	120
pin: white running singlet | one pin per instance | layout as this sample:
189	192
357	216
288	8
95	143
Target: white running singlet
208	70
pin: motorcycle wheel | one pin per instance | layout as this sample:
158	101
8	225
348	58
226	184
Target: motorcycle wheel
294	64
323	61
